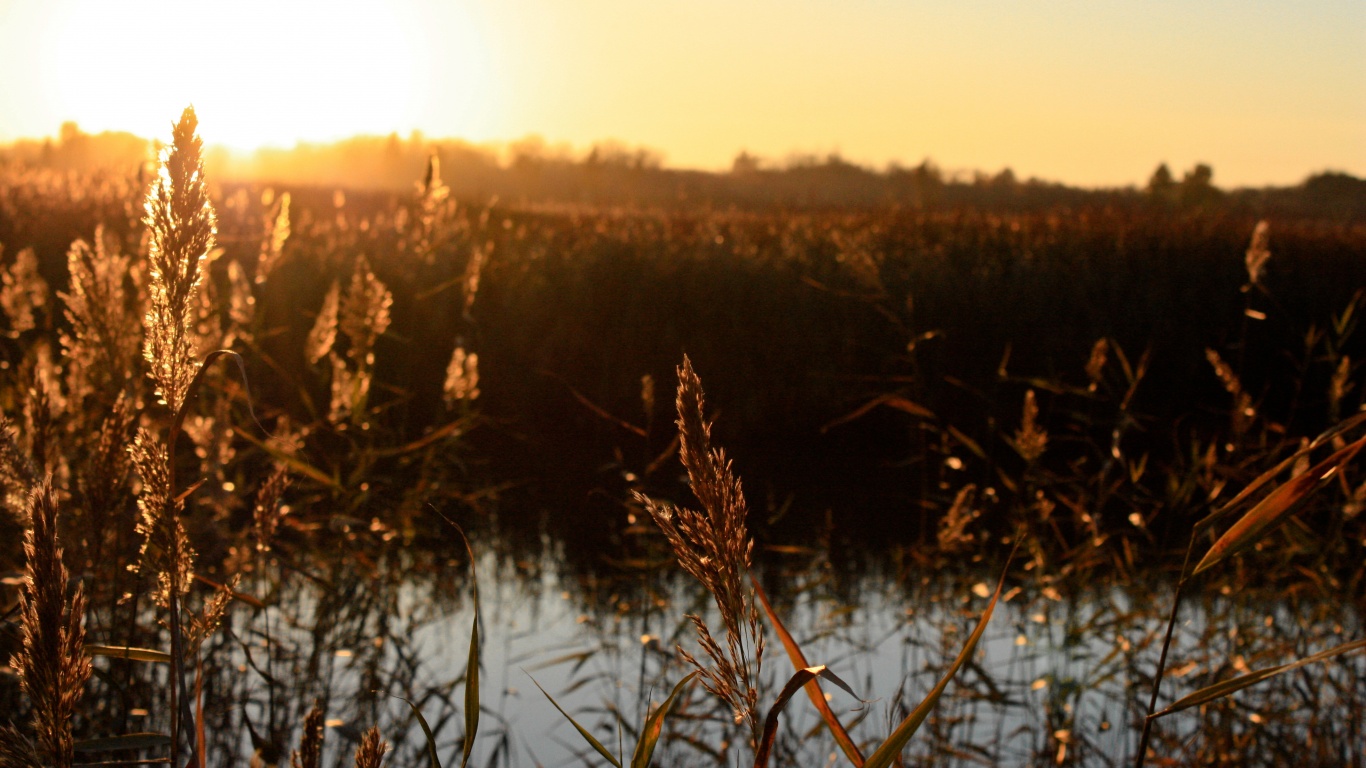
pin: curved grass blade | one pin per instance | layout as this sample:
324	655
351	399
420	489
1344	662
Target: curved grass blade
1226	687
124	742
126	652
1276	508
654	726
891	748
890	400
432	758
1232	505
1270	474
472	664
440	433
254	602
798	681
293	462
813	688
588	737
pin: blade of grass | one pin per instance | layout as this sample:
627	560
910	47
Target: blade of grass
588	737
472	664
124	742
1252	487
1270	474
1276	508
126	652
254	602
293	462
440	433
654	726
890	400
801	679
813	688
1227	687
432	759
891	748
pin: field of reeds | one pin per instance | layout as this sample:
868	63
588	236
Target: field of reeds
1073	484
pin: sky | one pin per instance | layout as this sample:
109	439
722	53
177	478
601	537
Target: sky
1092	93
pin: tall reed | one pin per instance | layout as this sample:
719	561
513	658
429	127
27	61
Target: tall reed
51	661
181	223
714	547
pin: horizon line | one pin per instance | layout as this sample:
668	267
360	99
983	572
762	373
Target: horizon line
566	151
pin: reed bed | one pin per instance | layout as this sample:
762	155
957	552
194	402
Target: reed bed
236	420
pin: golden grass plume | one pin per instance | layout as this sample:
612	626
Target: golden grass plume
51	661
182	225
714	547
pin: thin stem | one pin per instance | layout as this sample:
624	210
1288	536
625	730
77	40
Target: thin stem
182	719
1162	660
173	601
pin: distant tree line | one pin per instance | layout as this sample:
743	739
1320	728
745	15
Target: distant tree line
611	173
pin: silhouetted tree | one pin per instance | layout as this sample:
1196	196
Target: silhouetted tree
744	163
1197	186
1161	184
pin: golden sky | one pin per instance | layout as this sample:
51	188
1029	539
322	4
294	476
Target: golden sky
1090	92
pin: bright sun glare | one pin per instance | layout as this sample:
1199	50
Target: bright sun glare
259	72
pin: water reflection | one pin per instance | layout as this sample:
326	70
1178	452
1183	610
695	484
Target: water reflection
1061	677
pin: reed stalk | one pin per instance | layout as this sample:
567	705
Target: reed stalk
51	661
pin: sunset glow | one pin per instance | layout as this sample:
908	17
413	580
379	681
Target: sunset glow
258	72
1086	93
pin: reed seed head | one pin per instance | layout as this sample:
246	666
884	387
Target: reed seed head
310	751
371	751
462	377
181	222
23	291
714	547
1258	253
1031	439
51	661
103	342
159	523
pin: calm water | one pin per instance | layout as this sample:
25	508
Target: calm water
1061	676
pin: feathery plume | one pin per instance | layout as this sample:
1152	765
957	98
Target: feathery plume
207	622
166	549
16	751
273	244
1258	253
371	750
104	335
714	547
433	212
51	661
1095	365
241	304
364	313
1031	439
462	376
1339	387
1243	410
22	291
17	473
180	220
323	334
266	516
103	480
953	532
473	269
310	751
362	317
